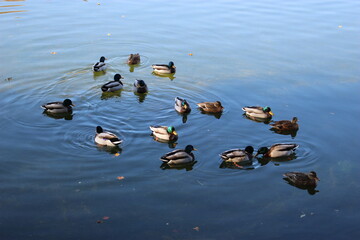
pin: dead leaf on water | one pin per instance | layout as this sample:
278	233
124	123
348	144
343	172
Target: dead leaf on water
105	217
190	54
340	26
120	177
109	34
196	228
117	154
53	52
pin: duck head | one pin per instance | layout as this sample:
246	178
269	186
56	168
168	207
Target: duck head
313	175
67	102
102	59
190	148
249	149
171	130
171	64
262	150
117	77
268	109
99	129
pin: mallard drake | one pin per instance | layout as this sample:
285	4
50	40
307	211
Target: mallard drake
140	86
58	107
181	105
164	133
134	59
258	112
211	107
285	125
100	66
300	179
106	138
113	86
238	155
179	156
163	68
278	150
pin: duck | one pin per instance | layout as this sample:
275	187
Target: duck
113	86
100	66
106	138
58	107
238	155
278	150
133	59
164	133
258	112
179	156
140	86
285	125
163	68
181	105
302	179
211	107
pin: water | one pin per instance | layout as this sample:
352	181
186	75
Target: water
300	58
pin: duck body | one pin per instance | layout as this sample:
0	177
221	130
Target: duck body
100	66
285	125
181	105
113	86
163	68
106	138
140	86
58	107
278	150
211	107
179	156
164	133
302	179
238	155
258	112
133	59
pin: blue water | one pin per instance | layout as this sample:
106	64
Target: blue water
300	58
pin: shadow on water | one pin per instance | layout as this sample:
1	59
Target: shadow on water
108	95
66	116
98	74
285	132
167	75
184	116
265	121
187	167
310	190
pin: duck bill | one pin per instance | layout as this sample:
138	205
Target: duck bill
271	113
194	149
175	133
73	105
256	154
317	179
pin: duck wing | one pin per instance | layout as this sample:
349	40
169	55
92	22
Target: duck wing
53	105
160	67
283	147
159	129
112	84
297	177
233	153
253	109
177	157
99	65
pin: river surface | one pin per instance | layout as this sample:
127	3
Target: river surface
301	58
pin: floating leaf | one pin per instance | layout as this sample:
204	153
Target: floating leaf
340	26
117	154
120	177
109	34
190	54
196	228
53	52
99	221
105	217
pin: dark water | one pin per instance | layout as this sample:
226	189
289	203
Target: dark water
300	58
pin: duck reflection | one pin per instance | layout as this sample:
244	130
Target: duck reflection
242	165
108	95
171	144
285	132
66	116
216	115
255	119
141	96
265	160
116	150
310	190
187	166
165	75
